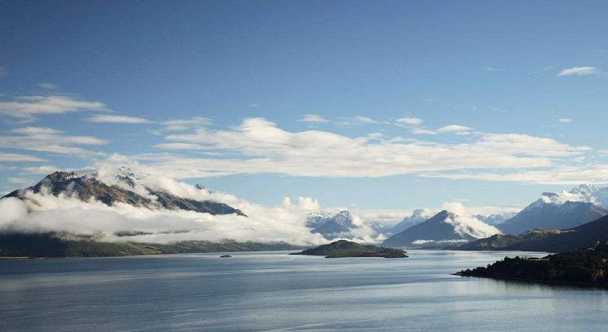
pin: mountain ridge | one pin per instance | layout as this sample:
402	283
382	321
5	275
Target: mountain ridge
87	187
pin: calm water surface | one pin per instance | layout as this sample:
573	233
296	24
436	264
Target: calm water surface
272	291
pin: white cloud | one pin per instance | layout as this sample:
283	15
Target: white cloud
259	146
409	121
562	175
493	69
42	170
565	120
186	124
14	157
455	129
104	118
422	131
28	107
313	118
365	119
49	140
578	71
465	222
285	222
178	146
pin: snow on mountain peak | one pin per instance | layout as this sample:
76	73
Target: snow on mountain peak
587	193
470	226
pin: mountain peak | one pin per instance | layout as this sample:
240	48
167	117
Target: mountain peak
87	186
445	226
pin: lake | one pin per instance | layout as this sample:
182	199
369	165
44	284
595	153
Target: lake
272	291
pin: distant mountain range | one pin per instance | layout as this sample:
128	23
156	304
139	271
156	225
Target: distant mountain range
442	229
580	237
556	221
560	210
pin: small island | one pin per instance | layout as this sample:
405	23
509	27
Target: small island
343	248
587	267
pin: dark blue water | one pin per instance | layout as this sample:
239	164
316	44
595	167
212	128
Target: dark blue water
272	291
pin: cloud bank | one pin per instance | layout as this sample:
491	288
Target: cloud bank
260	146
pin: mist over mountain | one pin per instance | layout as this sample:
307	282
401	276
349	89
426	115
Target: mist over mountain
583	236
126	189
562	210
444	227
417	217
118	204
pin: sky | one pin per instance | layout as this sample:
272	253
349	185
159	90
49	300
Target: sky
363	104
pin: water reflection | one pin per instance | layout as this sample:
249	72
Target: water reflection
275	291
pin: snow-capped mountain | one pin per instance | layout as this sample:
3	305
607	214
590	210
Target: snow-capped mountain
562	210
496	218
123	187
443	227
417	217
332	226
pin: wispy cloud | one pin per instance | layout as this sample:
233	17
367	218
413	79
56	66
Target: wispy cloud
42	170
49	140
565	120
409	121
455	129
493	69
365	119
26	108
423	131
414	125
313	118
578	71
186	124
178	146
14	157
117	119
564	175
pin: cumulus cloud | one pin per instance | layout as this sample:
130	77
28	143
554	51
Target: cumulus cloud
116	119
259	146
313	118
49	140
12	209
44	212
578	71
26	108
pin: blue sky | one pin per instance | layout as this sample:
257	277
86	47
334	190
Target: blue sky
385	104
